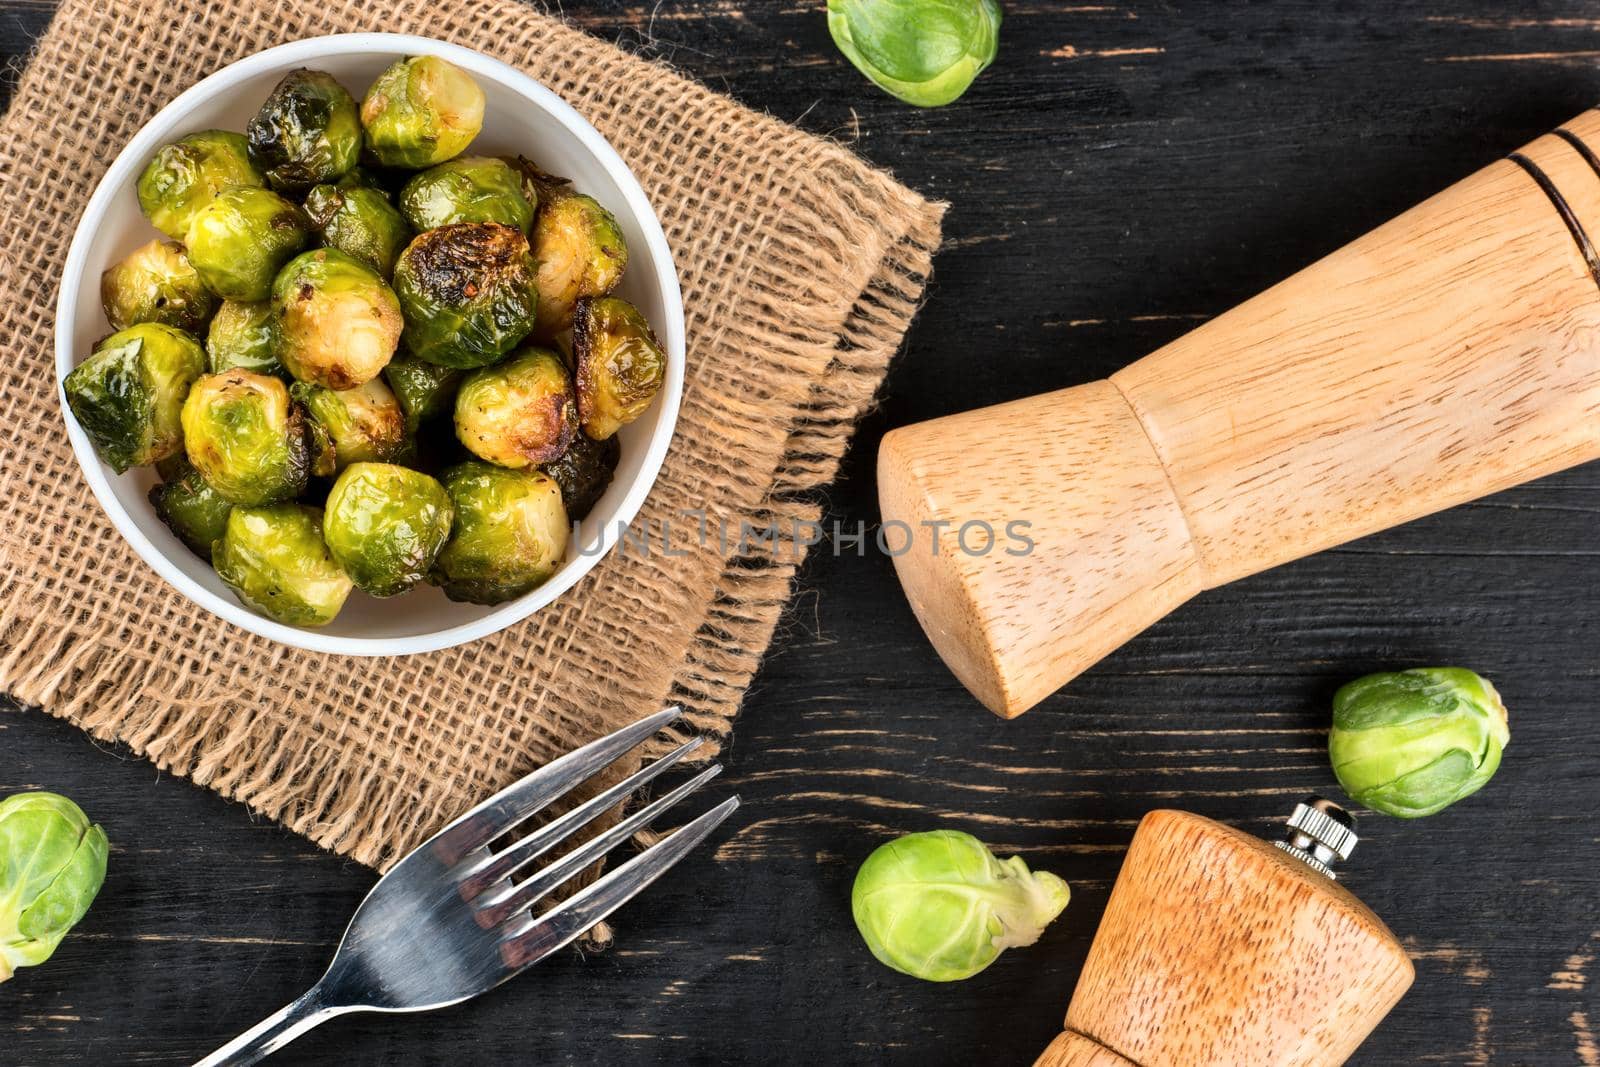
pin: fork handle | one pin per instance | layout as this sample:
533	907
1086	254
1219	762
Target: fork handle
276	1030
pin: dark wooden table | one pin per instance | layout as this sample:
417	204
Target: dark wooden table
1122	173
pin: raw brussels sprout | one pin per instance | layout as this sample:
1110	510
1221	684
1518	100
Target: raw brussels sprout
620	364
580	251
128	394
584	472
246	438
467	189
468	293
241	238
156	283
359	221
191	509
421	111
244	336
385	525
338	322
510	533
925	52
52	863
425	390
519	413
274	560
185	176
362	424
307	132
1411	743
940	906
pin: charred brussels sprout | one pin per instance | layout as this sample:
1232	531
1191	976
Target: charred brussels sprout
360	222
468	293
364	423
620	364
192	510
246	438
128	394
307	132
275	560
421	111
156	283
338	323
519	413
52	864
510	533
239	240
244	336
584	472
185	176
468	189
425	390
580	252
385	525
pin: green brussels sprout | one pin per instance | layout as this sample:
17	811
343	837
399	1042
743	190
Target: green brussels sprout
584	472
188	174
244	336
156	283
510	533
925	52
468	293
52	863
338	322
274	559
306	133
192	510
1410	743
581	253
246	437
518	413
620	363
128	394
385	525
359	221
466	189
362	424
425	390
421	111
241	238
941	907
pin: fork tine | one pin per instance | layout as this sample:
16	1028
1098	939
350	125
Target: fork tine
522	798
498	905
563	923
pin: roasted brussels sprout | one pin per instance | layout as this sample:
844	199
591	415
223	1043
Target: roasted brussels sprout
510	533
941	907
128	394
360	222
185	176
244	336
192	510
52	864
580	251
468	189
307	132
425	390
246	438
362	424
538	186
421	111
468	293
519	413
925	52
275	560
156	283
338	322
584	472
620	364
385	525
239	240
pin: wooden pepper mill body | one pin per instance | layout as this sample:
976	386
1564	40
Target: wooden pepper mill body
1218	948
1448	354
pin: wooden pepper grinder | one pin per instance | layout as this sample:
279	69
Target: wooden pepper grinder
1221	949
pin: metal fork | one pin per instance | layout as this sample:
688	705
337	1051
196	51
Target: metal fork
447	922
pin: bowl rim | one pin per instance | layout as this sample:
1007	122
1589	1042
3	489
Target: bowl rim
163	127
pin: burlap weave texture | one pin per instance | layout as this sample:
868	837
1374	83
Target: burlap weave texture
801	267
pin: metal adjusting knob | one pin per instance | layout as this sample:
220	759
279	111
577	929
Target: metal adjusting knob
1321	833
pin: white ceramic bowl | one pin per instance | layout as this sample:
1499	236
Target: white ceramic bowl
522	116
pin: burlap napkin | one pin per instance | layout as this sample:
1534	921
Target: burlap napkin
801	267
